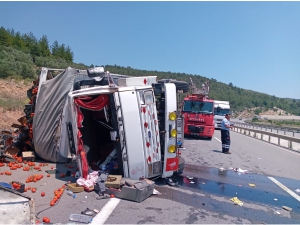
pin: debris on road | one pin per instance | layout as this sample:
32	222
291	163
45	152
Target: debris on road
287	208
80	218
275	199
156	192
239	170
251	185
297	190
237	201
90	212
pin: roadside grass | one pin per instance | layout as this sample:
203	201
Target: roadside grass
12	104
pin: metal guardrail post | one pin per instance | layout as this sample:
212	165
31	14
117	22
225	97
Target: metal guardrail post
248	132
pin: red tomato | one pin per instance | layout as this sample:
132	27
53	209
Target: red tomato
43	194
46	220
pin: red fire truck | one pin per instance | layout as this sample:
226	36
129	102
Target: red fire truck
198	112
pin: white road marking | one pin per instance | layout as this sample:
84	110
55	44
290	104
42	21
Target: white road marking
217	139
105	212
285	188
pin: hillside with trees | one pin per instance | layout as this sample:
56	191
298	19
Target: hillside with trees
22	56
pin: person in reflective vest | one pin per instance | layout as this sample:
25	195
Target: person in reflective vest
225	134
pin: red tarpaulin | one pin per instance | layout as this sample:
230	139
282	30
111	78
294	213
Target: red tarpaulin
90	103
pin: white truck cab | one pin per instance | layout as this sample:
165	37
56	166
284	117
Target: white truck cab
221	108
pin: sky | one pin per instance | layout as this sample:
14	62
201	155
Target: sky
253	45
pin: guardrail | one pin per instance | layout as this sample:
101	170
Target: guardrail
285	130
289	142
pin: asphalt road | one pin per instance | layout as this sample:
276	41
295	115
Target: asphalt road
203	193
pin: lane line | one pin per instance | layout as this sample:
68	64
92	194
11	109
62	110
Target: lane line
105	212
285	188
217	139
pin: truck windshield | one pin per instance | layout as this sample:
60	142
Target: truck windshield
198	107
221	112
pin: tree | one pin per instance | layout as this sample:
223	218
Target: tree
230	85
44	47
54	48
5	38
18	42
69	55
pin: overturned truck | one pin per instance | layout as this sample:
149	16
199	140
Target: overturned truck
128	125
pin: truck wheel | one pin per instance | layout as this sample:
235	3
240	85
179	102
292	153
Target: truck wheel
180	85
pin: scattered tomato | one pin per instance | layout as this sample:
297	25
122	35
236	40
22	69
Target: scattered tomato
43	194
46	220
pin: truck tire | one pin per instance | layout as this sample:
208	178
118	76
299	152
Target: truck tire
180	85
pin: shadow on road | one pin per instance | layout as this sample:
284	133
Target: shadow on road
189	137
217	151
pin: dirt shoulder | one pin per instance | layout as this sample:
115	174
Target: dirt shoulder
13	97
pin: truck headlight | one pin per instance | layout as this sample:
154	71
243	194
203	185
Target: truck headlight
172	149
173	133
172	116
